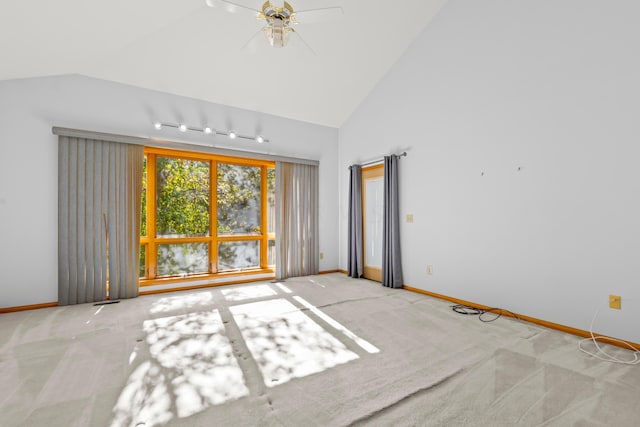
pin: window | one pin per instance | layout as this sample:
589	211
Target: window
204	214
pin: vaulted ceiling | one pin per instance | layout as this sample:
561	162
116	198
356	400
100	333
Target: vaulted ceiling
185	48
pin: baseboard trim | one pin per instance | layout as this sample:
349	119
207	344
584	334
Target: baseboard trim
154	291
28	307
562	328
343	272
545	323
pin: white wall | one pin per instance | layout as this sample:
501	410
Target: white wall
551	87
28	157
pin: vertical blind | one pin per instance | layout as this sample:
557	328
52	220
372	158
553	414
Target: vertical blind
99	198
297	243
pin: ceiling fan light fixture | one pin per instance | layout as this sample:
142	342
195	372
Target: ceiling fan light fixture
280	17
277	33
232	134
279	20
157	125
207	130
259	139
182	127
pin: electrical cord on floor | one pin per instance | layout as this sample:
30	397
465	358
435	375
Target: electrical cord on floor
481	313
599	354
465	309
603	355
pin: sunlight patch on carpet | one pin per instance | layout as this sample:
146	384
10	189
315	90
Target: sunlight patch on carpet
285	342
283	288
364	344
242	293
182	302
192	360
145	398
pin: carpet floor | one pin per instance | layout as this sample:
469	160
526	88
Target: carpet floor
314	351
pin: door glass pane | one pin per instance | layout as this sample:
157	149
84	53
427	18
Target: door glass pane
374	211
238	255
238	199
182	197
183	259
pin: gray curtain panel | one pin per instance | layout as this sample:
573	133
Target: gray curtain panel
99	201
391	259
297	240
356	260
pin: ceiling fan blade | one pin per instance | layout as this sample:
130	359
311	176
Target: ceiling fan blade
253	44
324	14
232	7
296	35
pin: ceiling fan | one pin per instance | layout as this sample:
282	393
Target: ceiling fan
280	17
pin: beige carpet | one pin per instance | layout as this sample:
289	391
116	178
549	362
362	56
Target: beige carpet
316	351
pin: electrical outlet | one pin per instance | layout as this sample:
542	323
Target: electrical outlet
614	302
321	255
409	217
429	269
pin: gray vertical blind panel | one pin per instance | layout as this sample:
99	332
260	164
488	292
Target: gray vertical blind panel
96	270
87	186
81	226
112	226
104	202
63	222
73	223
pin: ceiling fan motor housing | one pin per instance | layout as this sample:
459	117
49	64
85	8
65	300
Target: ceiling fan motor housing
279	20
284	13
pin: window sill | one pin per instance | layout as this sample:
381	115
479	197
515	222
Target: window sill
213	277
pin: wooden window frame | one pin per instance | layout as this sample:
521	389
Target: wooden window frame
151	241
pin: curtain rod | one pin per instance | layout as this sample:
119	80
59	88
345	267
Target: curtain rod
403	154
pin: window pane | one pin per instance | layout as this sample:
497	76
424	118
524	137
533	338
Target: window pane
271	253
238	255
374	211
238	199
182	197
143	261
183	259
271	200
143	206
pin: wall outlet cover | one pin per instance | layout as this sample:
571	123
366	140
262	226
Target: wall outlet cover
614	302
